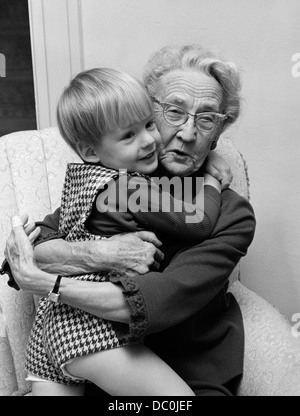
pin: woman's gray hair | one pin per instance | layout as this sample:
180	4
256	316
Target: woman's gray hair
194	57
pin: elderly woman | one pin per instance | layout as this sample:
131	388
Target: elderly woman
183	311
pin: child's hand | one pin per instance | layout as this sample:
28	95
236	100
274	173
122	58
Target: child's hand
216	166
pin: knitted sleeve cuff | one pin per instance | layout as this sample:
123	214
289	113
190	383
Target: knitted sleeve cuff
138	312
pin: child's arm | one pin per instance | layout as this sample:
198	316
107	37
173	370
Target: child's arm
158	211
216	166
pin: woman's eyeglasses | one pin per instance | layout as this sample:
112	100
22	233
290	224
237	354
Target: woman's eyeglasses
177	116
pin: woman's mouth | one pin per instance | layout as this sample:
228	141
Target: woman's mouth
178	153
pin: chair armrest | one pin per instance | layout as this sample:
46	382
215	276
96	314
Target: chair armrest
272	353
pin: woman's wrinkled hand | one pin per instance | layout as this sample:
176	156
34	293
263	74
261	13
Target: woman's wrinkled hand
19	250
217	167
135	253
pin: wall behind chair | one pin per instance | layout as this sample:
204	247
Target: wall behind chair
262	37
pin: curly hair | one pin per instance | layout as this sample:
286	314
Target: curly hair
195	58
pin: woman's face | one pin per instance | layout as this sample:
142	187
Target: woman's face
183	148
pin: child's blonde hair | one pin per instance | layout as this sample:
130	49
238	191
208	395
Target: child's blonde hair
98	101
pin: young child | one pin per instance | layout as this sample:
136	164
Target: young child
107	117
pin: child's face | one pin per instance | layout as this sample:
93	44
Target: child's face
133	148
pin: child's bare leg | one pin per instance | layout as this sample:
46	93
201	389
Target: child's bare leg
133	370
49	388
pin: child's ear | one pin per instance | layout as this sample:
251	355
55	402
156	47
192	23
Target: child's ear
87	153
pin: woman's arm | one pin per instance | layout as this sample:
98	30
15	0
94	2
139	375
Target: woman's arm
196	274
157	300
107	300
127	253
130	253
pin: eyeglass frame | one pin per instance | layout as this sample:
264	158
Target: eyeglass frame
222	117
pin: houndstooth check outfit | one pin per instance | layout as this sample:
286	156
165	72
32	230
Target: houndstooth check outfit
60	332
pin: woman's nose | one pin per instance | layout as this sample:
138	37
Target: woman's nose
187	131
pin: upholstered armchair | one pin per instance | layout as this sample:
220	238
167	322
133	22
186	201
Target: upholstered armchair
32	167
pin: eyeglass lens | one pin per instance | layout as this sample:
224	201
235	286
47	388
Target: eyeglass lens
205	122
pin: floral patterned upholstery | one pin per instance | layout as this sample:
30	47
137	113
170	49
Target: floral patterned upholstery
32	168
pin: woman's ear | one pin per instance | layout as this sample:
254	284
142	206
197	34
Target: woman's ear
216	138
87	153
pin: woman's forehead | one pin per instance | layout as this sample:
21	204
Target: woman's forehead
196	84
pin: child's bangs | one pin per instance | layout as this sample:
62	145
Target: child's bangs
133	107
